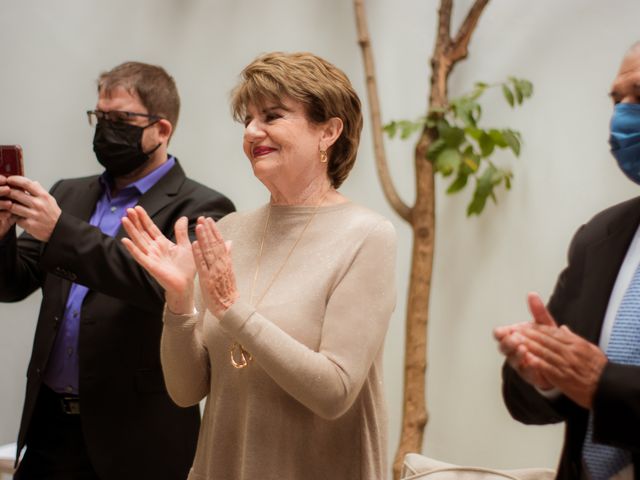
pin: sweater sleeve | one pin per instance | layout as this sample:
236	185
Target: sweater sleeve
358	310
185	360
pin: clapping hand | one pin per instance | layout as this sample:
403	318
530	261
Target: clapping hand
512	343
171	264
548	356
215	270
570	363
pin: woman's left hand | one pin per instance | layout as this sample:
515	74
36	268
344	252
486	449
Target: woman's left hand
213	261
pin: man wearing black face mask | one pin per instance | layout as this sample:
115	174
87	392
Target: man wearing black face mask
578	361
96	404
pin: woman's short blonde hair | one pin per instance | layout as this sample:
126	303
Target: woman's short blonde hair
323	89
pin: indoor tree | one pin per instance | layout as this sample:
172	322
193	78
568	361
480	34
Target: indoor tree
451	142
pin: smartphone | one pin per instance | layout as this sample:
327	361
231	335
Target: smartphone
11	160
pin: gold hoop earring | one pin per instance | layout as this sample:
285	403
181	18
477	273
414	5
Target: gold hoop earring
323	156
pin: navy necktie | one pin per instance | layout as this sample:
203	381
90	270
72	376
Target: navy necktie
604	461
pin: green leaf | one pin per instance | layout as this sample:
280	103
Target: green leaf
484	189
472	162
477	204
391	129
408	128
435	148
488	178
486	144
478	90
523	88
453	136
458	184
474	132
498	138
447	161
476	113
466	109
507	180
518	92
497	175
526	87
507	95
512	139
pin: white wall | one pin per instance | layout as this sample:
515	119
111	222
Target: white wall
53	51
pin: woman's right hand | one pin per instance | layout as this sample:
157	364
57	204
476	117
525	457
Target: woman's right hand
171	264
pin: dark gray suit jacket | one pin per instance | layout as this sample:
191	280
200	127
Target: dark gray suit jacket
580	301
131	426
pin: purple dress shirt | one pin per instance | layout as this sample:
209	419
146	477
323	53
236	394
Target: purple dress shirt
61	374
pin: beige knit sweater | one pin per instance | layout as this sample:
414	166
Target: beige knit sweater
310	405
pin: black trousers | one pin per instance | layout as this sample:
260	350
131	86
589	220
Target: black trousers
55	445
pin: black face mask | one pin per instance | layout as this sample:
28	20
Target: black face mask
118	147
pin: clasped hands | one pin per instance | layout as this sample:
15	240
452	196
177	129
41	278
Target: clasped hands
174	265
26	203
551	357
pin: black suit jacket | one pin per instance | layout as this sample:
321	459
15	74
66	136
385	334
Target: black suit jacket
580	301
132	428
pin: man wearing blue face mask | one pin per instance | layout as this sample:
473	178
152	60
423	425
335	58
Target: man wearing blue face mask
96	405
625	136
578	360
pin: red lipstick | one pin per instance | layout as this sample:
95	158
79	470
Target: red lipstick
262	150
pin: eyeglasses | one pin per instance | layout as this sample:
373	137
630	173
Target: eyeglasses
117	116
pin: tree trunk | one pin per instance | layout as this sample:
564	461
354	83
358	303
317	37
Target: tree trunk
447	52
415	414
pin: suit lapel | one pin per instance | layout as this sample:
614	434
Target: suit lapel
603	259
161	194
84	203
81	206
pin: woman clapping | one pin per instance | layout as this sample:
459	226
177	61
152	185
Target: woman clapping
282	328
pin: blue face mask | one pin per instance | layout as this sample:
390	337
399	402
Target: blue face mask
625	139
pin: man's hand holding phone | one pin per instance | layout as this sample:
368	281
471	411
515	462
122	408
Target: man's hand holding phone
7	219
36	210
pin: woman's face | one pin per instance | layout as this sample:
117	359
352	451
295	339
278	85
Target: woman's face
282	144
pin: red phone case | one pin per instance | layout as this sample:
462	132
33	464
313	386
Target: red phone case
11	160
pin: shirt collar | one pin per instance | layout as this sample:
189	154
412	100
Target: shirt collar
143	184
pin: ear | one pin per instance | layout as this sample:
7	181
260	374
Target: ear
164	130
331	131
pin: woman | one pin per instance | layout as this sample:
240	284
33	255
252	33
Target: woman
284	334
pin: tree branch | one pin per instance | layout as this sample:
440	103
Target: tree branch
389	190
440	60
443	36
459	46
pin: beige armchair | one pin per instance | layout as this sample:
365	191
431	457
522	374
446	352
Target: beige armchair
419	467
7	457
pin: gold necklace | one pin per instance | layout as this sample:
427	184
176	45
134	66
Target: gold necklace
240	358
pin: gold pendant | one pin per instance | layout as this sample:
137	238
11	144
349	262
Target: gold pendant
240	358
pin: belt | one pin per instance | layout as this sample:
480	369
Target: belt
56	401
70	405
